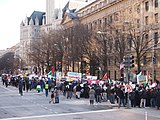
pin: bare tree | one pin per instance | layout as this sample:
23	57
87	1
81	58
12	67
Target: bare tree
78	43
7	62
141	44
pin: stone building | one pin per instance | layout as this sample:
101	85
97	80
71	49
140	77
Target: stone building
141	13
33	26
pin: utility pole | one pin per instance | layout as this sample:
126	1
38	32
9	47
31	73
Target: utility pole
153	63
129	63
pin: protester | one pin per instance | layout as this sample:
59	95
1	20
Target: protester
69	90
78	91
92	96
52	97
46	88
20	86
158	98
38	88
98	92
57	92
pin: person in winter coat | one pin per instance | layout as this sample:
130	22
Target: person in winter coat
153	98
69	90
158	98
56	93
20	87
132	98
137	97
143	98
98	91
121	96
38	88
92	95
46	88
52	97
78	91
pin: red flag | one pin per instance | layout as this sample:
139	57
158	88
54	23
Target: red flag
105	76
52	69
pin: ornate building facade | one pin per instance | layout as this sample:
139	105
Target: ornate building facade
142	13
32	27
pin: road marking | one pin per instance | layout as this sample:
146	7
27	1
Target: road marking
55	115
19	106
17	94
6	88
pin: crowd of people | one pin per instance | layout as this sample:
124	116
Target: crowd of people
115	92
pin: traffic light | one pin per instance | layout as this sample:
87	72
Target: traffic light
154	59
131	61
128	61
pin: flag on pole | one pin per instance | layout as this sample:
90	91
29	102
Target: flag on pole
121	66
105	77
139	76
52	69
147	76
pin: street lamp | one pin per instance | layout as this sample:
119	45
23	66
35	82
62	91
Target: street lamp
20	60
106	45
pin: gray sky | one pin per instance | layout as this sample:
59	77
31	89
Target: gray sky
12	13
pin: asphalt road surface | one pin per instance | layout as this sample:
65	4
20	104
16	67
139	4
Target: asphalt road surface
35	106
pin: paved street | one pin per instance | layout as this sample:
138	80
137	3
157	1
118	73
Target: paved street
35	106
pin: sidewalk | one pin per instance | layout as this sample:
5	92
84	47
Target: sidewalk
85	101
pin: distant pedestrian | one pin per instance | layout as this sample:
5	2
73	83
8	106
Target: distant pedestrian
56	92
69	90
38	88
143	97
158	98
92	96
98	92
46	88
52	97
121	96
20	87
27	84
78	91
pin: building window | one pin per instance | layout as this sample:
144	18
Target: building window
109	74
130	10
91	27
138	9
105	21
115	77
146	37
156	17
115	60
155	74
146	40
138	23
95	24
110	19
116	16
155	39
146	20
144	60
147	6
156	4
109	62
100	22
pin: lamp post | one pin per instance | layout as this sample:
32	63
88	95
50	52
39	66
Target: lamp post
106	49
153	69
20	61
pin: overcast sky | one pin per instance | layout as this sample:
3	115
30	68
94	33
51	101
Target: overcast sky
12	13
